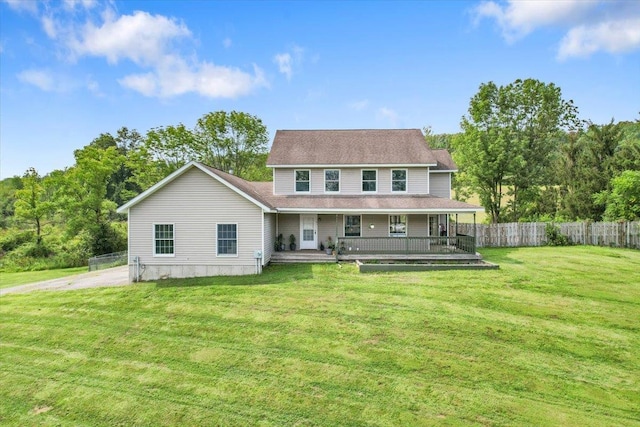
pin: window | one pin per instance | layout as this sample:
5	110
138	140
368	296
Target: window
399	180
331	180
164	240
398	225
227	239
302	181
369	180
352	225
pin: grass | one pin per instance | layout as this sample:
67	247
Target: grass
8	280
552	338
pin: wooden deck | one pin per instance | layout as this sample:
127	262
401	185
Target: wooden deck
318	257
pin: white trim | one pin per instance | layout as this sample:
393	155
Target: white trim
295	181
264	253
153	237
362	181
406	180
344	225
339	181
314	244
140	197
354	165
237	240
443	171
273	179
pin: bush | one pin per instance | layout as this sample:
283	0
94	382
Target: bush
554	237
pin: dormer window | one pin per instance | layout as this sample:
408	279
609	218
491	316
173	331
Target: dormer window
303	181
369	180
399	180
332	180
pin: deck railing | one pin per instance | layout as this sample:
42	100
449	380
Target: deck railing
406	245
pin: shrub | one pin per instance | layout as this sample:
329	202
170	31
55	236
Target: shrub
554	237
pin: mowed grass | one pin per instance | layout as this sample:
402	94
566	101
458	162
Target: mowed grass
8	280
552	338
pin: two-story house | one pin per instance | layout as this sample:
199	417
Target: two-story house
364	191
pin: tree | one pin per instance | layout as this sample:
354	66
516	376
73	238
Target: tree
509	139
32	201
231	141
622	202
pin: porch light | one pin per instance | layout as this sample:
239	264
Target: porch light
372	226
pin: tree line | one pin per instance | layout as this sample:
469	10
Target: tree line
66	216
528	157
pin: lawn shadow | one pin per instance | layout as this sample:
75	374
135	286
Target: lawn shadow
271	275
500	255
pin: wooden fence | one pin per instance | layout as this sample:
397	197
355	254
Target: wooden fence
616	234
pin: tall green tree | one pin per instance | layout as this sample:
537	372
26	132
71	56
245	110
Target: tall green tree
510	135
622	201
232	141
33	202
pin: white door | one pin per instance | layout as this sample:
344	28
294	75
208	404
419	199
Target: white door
308	232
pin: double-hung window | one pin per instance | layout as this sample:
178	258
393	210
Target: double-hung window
398	225
227	239
352	225
332	180
369	180
303	181
399	180
163	240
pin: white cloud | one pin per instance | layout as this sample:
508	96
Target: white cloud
151	42
592	25
29	6
613	36
389	115
142	38
227	42
39	78
359	105
284	64
287	60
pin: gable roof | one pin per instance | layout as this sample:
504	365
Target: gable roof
238	185
357	147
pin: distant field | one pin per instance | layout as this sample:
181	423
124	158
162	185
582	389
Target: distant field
552	338
8	280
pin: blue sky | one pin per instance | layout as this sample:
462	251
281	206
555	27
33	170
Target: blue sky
71	70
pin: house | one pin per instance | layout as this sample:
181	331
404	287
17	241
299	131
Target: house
371	191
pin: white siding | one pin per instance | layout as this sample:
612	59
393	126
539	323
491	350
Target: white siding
195	203
269	237
289	224
441	184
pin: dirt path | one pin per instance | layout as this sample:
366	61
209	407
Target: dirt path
117	276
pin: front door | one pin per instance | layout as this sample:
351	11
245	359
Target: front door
308	232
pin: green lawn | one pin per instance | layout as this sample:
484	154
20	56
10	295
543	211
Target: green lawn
552	338
8	280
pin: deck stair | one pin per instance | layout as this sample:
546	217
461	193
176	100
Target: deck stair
303	256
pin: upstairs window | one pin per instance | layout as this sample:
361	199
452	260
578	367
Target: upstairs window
399	180
227	239
331	180
303	182
369	181
164	240
398	225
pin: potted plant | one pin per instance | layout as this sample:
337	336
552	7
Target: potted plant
330	246
279	246
292	242
321	246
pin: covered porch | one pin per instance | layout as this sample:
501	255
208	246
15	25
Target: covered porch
363	235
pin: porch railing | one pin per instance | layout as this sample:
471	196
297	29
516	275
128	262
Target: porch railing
406	245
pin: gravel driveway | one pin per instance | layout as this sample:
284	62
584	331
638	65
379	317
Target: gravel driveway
117	276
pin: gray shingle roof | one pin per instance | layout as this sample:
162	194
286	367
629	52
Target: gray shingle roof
350	147
445	162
